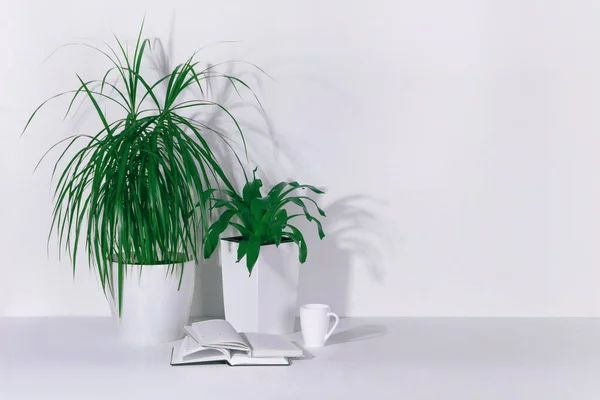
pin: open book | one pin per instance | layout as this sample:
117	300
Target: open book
217	341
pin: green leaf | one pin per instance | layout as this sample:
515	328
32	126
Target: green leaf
296	185
319	228
297	237
293	199
309	217
252	190
281	217
206	195
276	190
258	208
276	235
212	237
243	230
242	249
223	221
221	203
211	241
252	253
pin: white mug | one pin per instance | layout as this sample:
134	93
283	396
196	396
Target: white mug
314	320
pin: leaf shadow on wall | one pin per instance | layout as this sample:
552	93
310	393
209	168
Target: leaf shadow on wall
259	133
355	236
355	233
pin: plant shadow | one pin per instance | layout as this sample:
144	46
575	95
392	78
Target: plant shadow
230	100
354	239
223	138
355	233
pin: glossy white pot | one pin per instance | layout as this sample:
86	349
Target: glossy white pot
155	305
265	301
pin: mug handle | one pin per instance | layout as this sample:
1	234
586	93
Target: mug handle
335	324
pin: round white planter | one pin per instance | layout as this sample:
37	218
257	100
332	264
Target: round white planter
265	301
155	306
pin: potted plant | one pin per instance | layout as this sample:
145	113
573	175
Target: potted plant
129	192
263	296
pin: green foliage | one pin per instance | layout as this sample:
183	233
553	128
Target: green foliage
261	220
131	191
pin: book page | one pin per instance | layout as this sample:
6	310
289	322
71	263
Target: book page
189	351
270	345
217	333
244	359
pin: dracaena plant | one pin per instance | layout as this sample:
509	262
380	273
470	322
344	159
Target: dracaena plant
129	191
261	220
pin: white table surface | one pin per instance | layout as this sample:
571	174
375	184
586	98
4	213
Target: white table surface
393	358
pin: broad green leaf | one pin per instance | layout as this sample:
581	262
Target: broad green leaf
276	190
242	229
296	185
298	238
309	217
223	221
242	249
293	199
219	203
252	252
276	235
281	217
252	190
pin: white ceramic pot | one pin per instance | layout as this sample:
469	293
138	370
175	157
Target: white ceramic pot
265	301
155	306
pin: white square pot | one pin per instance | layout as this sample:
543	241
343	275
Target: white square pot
265	301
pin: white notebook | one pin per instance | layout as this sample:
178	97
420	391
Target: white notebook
217	341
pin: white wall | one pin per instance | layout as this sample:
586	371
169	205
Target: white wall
458	142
